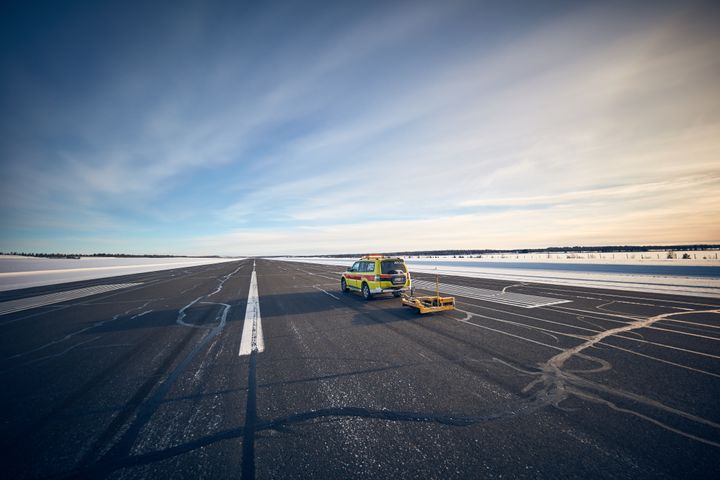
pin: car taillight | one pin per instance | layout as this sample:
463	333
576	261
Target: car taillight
377	278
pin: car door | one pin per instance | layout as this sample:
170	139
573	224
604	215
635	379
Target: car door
352	276
370	274
359	275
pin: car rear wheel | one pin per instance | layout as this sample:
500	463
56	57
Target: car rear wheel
343	285
366	292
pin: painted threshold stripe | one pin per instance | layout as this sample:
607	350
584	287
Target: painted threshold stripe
40	301
252	336
495	296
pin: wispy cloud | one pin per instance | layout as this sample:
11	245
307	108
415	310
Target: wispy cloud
278	130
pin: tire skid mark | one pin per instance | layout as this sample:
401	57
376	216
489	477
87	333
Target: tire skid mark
98	461
697	324
654	327
662	317
82	330
530	317
582	319
543	331
120	452
14	447
49	357
607	295
686	329
661	360
283	424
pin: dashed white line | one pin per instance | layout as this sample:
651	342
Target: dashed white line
325	292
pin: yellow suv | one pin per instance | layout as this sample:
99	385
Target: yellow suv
374	274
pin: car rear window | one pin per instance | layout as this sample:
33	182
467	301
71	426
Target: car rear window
393	266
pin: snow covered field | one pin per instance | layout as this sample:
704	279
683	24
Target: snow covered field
675	276
660	257
23	272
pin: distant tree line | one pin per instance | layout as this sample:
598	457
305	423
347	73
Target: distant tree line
574	249
100	255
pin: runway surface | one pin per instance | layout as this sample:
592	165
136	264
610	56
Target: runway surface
142	376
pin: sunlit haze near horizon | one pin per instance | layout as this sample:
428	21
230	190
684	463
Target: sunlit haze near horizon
268	128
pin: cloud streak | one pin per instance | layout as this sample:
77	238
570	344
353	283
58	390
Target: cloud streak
275	130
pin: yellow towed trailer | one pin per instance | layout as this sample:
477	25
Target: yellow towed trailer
429	304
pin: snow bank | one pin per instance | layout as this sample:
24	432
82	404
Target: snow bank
675	283
660	257
24	272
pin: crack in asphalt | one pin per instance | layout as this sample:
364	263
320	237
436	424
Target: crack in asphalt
557	384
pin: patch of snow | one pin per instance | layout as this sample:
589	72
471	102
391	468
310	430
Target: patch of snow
23	272
581	275
660	257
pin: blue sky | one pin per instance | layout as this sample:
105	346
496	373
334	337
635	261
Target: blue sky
250	128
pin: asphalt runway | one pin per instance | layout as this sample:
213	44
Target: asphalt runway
141	377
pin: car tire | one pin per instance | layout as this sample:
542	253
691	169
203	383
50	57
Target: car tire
367	295
397	294
343	285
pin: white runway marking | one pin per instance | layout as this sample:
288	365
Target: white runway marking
318	274
506	298
632	321
568	293
40	301
325	292
252	336
636	318
465	321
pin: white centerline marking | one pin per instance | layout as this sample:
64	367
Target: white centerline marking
252	336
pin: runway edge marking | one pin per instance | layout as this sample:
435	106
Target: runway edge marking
252	336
